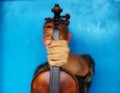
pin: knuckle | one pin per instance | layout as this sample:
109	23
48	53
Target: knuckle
67	49
65	62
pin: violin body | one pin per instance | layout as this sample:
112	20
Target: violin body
68	82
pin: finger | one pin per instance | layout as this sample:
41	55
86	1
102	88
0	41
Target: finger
55	50
58	57
58	43
57	63
47	40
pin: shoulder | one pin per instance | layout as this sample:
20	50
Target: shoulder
91	65
89	60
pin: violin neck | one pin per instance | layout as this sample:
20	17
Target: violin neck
54	86
56	34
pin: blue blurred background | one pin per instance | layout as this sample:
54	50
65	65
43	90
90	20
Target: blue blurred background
95	29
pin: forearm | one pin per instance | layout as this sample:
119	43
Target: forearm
76	65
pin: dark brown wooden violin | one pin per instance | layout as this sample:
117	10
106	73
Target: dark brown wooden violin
55	79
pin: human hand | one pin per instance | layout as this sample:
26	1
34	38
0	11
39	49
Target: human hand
58	51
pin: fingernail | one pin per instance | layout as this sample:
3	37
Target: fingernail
48	42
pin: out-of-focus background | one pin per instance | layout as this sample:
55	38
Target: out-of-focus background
95	29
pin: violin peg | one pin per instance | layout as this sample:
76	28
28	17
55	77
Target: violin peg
67	16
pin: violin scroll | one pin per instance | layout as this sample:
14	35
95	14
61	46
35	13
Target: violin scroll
57	10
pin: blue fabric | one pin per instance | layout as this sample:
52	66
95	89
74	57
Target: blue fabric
95	29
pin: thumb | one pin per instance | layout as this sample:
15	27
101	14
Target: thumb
48	41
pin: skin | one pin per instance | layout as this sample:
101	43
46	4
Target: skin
58	51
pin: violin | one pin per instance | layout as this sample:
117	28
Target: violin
55	79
